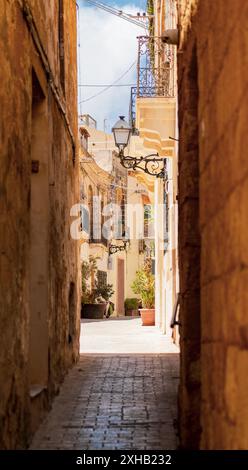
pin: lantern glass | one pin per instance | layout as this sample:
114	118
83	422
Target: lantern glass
122	133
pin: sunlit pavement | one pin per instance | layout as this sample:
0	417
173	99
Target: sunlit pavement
123	335
121	395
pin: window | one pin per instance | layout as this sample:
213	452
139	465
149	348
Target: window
85	220
101	278
147	219
90	204
120	200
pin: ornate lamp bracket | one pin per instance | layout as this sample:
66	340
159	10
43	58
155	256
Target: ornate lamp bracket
115	248
150	164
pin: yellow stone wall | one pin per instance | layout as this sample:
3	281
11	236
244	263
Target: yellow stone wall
29	47
213	135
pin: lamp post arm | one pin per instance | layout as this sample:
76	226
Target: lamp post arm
150	164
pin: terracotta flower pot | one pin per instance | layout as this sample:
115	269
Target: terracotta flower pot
147	316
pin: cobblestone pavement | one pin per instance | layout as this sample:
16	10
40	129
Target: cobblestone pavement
114	402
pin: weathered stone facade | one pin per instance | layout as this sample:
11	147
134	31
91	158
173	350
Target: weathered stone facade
39	314
213	222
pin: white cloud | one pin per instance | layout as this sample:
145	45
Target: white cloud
108	46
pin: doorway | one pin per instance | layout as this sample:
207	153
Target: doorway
39	197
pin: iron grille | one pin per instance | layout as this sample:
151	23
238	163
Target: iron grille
118	195
155	72
101	278
155	68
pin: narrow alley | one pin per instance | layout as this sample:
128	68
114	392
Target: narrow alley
116	400
123	228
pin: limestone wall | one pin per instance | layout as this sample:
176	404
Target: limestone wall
213	140
38	185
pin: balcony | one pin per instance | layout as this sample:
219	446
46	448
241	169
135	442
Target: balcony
153	100
98	241
155	68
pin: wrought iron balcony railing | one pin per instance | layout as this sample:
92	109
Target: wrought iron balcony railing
155	72
155	68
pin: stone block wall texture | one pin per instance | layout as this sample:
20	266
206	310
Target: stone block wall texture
189	254
18	55
218	32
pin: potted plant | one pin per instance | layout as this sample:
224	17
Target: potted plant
90	308
105	292
132	307
94	299
144	286
93	307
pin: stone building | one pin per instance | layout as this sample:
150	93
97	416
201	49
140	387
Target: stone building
213	222
95	185
103	177
154	109
212	187
39	315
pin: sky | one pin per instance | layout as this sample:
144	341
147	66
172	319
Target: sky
107	49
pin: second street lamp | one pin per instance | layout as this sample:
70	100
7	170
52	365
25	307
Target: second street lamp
150	164
115	248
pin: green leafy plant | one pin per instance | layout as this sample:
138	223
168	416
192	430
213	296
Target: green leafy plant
150	11
96	292
131	304
88	270
144	285
104	291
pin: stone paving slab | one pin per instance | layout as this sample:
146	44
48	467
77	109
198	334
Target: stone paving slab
123	335
115	402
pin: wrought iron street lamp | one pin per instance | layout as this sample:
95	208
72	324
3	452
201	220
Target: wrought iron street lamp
115	248
150	164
